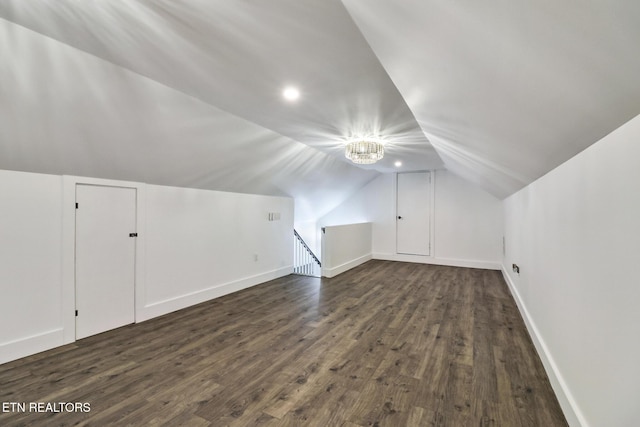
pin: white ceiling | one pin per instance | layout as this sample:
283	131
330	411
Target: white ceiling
189	93
508	90
66	112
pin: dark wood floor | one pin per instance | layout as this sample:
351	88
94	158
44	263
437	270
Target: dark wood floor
386	343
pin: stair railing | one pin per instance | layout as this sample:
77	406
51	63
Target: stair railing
305	262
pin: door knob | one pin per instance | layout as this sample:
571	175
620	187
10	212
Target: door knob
399	217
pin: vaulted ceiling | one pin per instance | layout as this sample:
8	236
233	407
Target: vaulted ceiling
188	93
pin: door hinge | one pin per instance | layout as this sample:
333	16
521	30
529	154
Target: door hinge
76	313
133	234
76	205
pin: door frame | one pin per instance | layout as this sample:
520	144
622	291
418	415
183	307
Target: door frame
69	252
87	323
432	199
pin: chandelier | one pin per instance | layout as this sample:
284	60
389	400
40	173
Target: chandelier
364	152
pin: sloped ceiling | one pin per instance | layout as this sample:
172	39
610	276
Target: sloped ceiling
63	111
189	93
506	91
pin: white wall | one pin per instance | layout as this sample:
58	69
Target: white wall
193	245
375	203
575	233
468	221
345	247
30	263
203	244
466	227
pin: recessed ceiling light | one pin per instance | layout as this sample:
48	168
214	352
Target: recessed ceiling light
291	93
398	163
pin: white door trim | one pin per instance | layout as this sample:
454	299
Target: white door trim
105	258
429	214
68	246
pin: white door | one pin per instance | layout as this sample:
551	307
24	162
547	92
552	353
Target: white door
413	212
105	258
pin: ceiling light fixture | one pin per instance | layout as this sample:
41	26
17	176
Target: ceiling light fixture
291	93
398	163
364	152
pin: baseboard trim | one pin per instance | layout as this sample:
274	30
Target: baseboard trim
570	408
160	308
334	271
486	265
31	345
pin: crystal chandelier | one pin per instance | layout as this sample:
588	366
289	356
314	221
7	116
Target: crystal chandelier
364	152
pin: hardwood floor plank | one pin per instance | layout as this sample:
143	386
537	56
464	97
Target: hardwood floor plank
384	401
385	343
